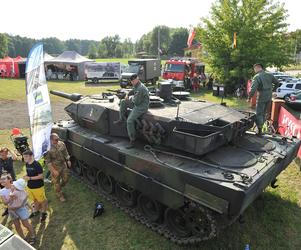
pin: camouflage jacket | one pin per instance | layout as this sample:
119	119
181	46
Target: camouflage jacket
263	83
141	97
57	155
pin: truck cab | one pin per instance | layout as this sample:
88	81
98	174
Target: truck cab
180	69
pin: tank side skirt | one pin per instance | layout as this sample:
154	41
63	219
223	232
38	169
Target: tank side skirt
127	175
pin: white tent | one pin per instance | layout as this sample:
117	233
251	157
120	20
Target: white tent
70	58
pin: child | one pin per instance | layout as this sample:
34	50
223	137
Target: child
17	209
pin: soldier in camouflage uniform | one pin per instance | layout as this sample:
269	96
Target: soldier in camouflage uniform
139	105
263	84
58	161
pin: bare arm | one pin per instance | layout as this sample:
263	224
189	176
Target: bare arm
38	177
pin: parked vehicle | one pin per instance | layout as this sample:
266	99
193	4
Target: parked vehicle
287	88
181	69
148	71
97	71
293	100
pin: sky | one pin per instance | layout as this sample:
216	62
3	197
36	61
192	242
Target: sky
95	19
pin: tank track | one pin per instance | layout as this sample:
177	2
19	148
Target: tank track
161	228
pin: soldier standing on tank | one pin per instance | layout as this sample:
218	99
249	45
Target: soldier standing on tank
139	105
58	162
263	83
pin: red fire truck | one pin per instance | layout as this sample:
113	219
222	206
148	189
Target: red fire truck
180	68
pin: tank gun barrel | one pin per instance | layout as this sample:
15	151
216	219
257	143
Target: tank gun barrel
73	97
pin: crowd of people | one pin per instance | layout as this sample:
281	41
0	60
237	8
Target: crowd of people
25	198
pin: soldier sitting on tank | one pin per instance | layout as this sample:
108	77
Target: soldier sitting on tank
263	84
138	103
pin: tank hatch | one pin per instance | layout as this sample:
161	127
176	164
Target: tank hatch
232	157
255	144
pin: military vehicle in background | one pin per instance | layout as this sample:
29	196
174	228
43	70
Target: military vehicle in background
148	70
195	167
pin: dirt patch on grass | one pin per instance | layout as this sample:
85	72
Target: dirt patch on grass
15	113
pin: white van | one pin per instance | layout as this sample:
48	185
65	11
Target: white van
97	71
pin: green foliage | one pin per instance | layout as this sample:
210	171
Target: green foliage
178	42
164	40
53	46
260	27
111	43
102	50
294	41
92	51
172	41
3	45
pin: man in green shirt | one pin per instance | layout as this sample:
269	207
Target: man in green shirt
263	84
138	103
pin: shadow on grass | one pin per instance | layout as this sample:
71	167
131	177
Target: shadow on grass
270	223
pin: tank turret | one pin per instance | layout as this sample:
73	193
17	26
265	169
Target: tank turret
192	126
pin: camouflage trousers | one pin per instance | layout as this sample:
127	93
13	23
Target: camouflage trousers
60	180
262	111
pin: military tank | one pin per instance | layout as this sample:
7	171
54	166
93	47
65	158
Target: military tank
194	169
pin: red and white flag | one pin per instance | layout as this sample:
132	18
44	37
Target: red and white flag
191	36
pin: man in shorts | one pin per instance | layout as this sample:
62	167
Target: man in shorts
35	185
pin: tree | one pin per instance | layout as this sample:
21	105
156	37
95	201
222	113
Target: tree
119	51
260	27
92	51
3	45
73	44
127	47
111	42
102	50
294	41
178	42
164	39
53	46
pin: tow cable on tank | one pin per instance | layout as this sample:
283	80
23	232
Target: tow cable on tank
228	174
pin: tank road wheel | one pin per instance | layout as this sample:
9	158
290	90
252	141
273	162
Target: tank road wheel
152	209
176	222
77	167
105	182
90	174
201	222
126	195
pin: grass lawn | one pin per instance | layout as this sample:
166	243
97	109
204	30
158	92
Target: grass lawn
274	222
15	89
